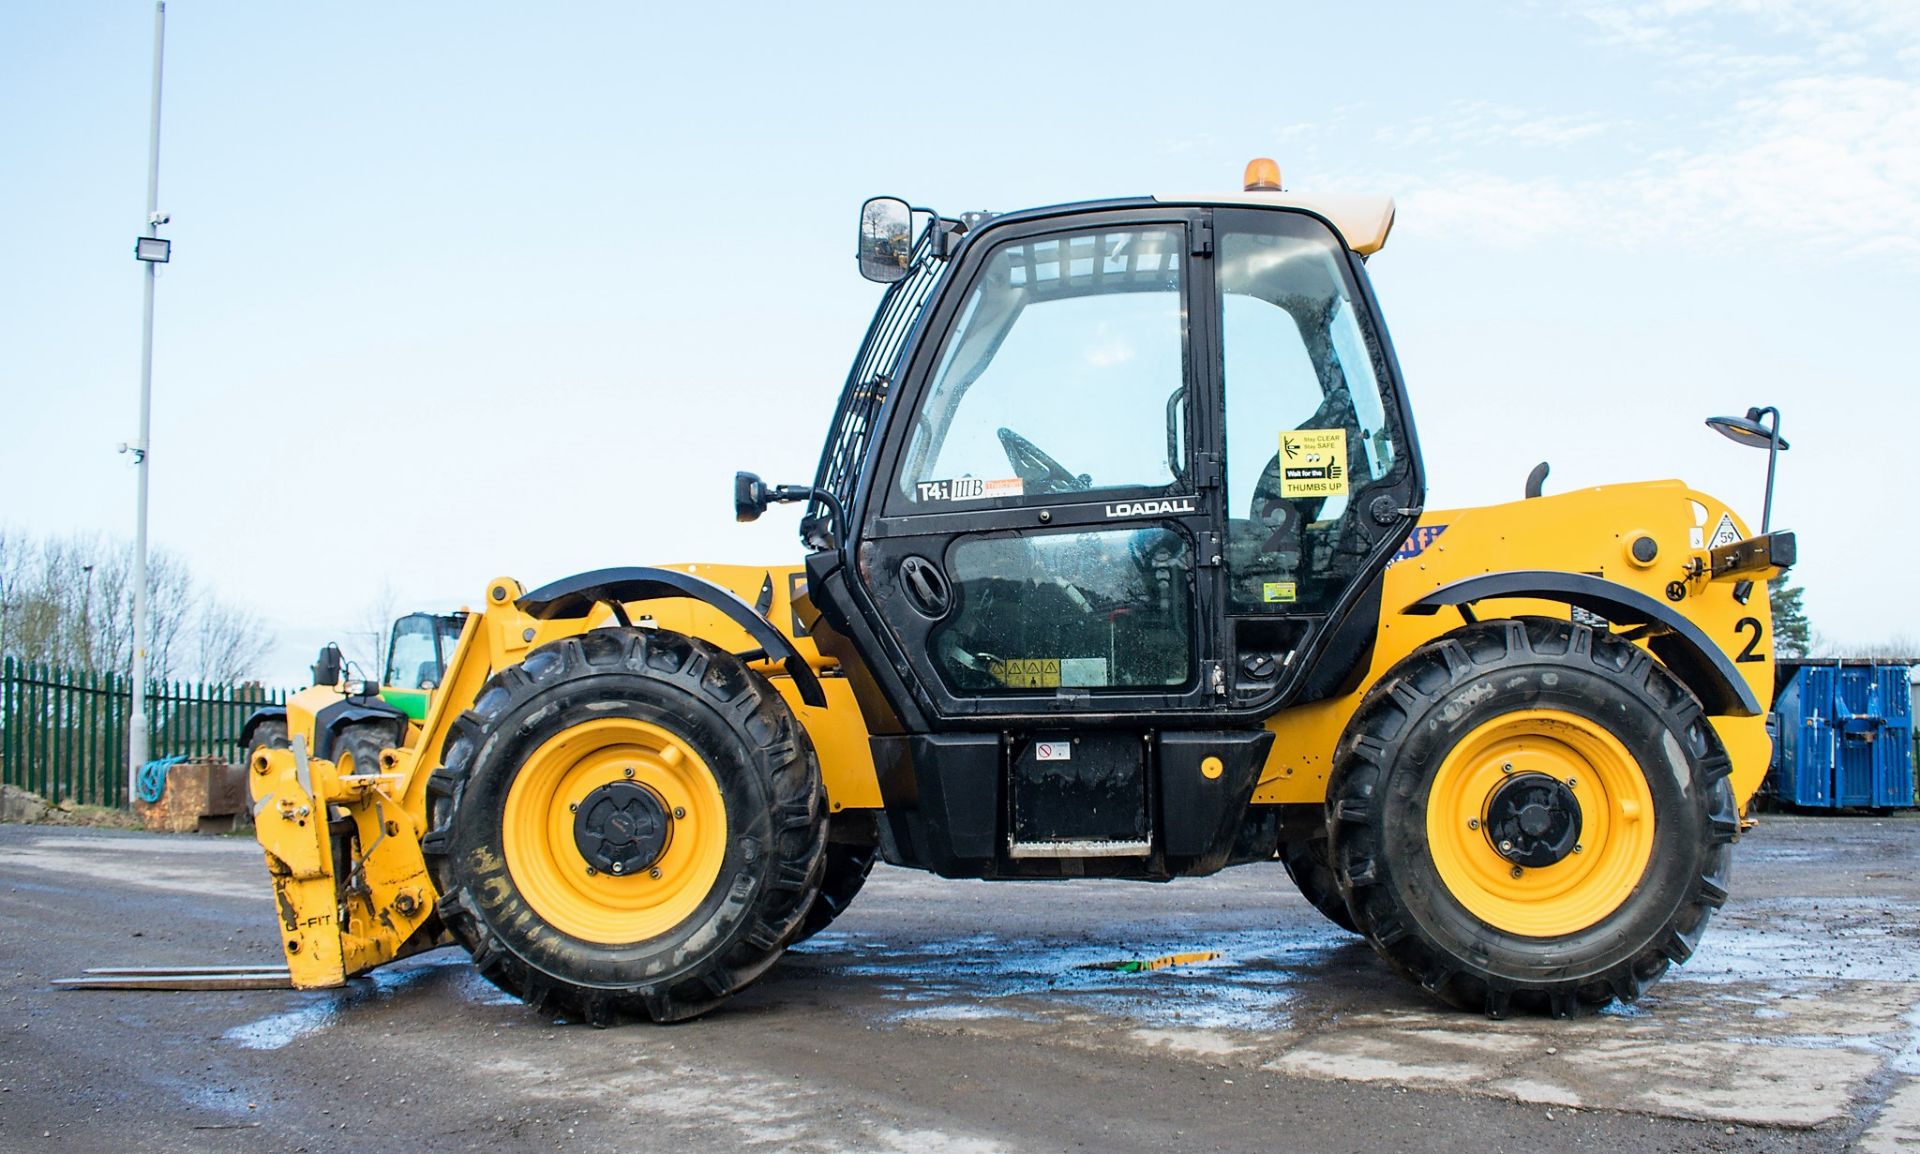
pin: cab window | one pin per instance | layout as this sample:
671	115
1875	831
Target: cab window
1064	374
413	657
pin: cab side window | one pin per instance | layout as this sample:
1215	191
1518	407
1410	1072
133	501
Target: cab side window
1307	430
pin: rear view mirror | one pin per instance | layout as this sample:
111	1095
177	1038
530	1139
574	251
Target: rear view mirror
326	668
886	239
749	497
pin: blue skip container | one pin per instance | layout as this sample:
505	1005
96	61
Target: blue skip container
1843	734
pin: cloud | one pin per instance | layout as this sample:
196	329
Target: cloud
1831	33
1819	148
1479	123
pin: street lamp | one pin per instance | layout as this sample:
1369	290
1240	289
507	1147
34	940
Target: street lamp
1756	430
150	250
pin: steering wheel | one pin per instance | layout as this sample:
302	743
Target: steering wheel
1037	471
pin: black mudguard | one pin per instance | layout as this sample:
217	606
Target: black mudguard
574	597
1683	647
264	713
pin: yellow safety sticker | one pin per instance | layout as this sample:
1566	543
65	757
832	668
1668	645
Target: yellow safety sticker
1275	591
1313	463
1027	673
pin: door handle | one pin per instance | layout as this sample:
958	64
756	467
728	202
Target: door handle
926	586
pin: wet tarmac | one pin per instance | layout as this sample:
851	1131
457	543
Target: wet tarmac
966	1016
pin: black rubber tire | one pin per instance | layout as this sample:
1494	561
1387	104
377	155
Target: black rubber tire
846	872
1384	769
271	734
359	743
1308	865
761	760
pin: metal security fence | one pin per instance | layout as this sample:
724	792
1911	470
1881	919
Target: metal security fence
63	733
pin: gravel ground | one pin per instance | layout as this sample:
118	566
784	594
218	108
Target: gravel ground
967	1017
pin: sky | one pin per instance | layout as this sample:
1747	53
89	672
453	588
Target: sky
462	290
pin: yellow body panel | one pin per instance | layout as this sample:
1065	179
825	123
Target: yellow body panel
1587	531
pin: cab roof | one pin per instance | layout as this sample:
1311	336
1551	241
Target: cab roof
1362	221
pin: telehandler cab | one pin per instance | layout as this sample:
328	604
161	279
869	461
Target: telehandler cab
1116	566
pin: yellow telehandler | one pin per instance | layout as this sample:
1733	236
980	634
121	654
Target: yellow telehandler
1116	565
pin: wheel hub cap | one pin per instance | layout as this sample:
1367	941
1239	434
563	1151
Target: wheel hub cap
621	828
1533	820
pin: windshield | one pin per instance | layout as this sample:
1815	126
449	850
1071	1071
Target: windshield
1064	372
421	647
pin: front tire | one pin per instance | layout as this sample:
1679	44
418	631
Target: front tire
627	824
1531	814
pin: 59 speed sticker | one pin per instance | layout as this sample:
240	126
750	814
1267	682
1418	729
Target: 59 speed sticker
967	489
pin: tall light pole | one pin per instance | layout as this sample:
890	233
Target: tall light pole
151	250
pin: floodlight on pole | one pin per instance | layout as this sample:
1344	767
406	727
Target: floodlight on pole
151	250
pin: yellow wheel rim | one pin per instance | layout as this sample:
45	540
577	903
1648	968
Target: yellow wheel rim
1617	823
546	863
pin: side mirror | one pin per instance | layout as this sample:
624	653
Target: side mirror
749	497
886	239
326	667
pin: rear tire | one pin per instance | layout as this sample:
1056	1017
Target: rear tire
1308	865
846	872
671	923
1415	802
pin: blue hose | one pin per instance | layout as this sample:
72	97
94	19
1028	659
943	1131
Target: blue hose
153	778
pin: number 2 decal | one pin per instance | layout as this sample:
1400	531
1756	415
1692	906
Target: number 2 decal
1744	625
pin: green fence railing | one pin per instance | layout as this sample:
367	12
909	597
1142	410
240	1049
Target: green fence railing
63	733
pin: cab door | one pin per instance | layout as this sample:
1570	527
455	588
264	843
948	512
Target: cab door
1039	537
1322	479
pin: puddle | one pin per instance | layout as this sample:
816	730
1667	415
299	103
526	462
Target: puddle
1247	984
327	1007
1907	1060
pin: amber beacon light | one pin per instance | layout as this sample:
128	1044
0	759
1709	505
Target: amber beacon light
1263	175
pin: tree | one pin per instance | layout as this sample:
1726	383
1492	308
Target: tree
231	641
1792	636
366	646
68	601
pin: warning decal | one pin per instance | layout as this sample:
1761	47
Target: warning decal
1724	533
1027	673
1278	591
1313	463
968	489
